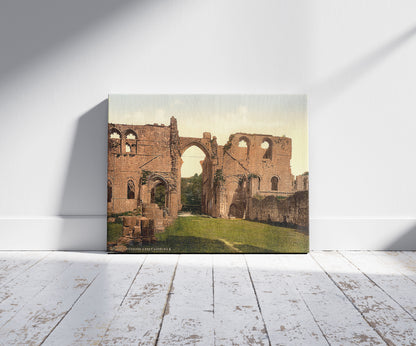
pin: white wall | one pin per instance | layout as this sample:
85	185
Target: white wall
355	60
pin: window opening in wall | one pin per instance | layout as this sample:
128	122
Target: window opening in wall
275	183
109	191
130	189
114	135
268	146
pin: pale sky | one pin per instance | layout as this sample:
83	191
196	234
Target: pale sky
221	115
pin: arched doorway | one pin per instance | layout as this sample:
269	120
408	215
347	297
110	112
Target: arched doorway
194	184
159	192
236	211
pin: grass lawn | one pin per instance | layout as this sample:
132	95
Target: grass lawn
114	231
200	234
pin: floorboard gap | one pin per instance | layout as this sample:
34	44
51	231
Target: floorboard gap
352	303
67	312
373	282
167	301
257	300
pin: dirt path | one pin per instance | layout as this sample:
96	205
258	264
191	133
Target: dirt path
230	245
185	213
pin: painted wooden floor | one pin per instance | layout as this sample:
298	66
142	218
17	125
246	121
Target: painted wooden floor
79	298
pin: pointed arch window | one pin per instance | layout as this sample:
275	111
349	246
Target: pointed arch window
115	134
130	134
244	143
275	183
130	189
267	145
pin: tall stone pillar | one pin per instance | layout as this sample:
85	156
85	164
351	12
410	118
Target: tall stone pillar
175	155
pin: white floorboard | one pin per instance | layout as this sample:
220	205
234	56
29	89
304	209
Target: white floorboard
16	293
338	319
139	318
238	320
336	298
287	317
38	317
189	315
403	262
12	264
89	319
397	286
384	314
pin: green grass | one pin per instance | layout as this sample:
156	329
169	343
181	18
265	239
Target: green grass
199	234
114	231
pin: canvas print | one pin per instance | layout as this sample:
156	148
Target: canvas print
207	174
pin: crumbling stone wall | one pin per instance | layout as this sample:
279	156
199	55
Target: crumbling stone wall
301	183
144	155
257	166
293	210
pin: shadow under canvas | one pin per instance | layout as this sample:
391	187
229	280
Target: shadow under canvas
83	202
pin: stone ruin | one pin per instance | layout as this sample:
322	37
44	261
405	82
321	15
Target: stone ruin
136	231
248	174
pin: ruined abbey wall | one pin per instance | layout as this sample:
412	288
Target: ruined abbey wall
249	170
142	155
235	176
293	210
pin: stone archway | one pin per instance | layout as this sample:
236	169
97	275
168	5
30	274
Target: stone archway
149	194
203	200
201	143
159	193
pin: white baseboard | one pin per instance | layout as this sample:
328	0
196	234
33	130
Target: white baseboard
363	234
54	233
89	233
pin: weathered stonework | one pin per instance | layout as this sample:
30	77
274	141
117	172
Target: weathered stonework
301	183
247	168
136	230
290	211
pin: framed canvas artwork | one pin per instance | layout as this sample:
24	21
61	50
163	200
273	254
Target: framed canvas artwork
207	174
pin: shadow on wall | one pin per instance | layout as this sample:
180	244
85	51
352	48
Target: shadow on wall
25	27
324	92
84	191
406	242
83	204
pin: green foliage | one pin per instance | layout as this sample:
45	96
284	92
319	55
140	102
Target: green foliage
191	192
252	175
198	234
114	231
135	212
218	177
258	197
261	197
249	177
228	145
306	173
160	195
145	175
